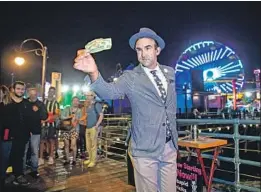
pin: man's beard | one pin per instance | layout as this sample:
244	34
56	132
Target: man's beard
19	96
33	98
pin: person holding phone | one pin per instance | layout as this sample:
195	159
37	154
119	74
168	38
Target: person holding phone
69	127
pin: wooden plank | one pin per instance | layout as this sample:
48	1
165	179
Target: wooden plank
107	176
202	143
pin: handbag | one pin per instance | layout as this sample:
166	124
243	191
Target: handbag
66	124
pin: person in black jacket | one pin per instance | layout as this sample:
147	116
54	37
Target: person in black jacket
5	140
37	112
17	112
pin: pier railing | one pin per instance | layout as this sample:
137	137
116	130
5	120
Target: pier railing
237	132
238	135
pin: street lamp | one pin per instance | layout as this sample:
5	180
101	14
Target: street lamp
42	51
19	61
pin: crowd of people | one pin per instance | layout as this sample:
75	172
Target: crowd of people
30	129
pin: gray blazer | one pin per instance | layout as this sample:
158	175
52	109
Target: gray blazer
148	132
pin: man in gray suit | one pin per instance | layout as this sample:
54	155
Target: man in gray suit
150	88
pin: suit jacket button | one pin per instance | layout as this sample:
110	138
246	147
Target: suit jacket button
163	124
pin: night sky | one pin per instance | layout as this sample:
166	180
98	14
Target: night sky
65	27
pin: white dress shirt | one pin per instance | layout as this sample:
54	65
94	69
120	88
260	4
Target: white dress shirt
161	76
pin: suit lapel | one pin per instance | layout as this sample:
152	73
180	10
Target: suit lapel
145	80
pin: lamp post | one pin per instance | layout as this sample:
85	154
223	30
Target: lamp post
12	75
42	51
185	88
234	94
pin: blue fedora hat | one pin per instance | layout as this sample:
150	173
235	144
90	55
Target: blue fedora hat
146	33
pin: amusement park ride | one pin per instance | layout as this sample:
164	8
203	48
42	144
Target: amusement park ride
221	69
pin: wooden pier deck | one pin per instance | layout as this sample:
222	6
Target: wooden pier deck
108	176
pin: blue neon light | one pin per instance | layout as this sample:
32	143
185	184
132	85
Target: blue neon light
219	62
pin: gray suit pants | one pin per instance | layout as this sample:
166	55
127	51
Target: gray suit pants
156	174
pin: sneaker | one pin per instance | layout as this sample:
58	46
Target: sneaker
73	163
91	165
86	162
41	161
9	170
21	180
56	155
34	174
50	161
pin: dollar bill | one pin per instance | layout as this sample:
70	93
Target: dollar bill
99	45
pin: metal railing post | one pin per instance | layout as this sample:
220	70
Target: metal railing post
236	153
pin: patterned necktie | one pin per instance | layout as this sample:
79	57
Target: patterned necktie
163	95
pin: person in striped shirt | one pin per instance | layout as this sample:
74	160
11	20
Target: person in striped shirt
49	133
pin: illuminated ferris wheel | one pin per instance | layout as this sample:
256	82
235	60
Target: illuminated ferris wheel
218	63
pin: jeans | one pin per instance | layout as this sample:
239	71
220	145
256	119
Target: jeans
6	147
34	144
